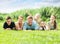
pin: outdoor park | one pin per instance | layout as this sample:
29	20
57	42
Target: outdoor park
31	36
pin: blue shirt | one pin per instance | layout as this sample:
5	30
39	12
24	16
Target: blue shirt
26	26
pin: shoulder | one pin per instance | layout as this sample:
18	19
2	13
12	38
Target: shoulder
34	22
12	22
25	23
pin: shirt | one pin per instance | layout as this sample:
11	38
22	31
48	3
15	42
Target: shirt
26	26
11	26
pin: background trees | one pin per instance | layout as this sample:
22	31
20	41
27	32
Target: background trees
45	12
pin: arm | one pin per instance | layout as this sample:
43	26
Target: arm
36	26
17	27
13	25
24	26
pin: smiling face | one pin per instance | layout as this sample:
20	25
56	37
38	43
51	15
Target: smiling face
30	20
42	23
52	18
20	19
9	21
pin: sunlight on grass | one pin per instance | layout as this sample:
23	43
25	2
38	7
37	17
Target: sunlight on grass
29	37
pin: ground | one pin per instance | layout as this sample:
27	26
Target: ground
29	37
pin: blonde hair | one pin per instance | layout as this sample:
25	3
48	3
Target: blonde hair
29	17
20	16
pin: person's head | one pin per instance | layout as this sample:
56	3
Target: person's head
42	23
37	16
20	19
8	20
53	18
30	20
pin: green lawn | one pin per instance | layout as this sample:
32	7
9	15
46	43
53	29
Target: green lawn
29	37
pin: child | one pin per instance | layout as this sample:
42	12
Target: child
42	25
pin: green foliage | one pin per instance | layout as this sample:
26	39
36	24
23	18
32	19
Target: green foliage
1	18
45	13
31	37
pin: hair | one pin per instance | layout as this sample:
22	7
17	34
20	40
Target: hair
54	16
54	24
29	17
8	18
20	16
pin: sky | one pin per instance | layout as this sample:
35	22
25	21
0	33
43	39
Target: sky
8	6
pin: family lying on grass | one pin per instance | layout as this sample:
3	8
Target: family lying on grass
31	23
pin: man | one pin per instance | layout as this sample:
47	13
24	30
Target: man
9	25
29	24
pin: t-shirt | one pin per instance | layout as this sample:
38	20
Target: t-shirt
26	26
11	26
51	26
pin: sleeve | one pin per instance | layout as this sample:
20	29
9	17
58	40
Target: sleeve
13	25
36	26
4	25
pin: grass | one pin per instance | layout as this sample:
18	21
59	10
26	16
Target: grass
29	37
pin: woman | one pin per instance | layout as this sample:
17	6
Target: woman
52	25
37	18
19	23
9	25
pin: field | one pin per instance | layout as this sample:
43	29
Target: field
29	37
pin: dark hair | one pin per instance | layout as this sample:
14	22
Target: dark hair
8	18
55	25
54	22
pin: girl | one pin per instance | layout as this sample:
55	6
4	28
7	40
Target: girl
19	23
52	25
42	25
